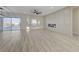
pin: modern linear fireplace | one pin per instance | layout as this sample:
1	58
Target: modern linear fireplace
52	25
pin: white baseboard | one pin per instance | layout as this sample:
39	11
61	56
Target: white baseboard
37	28
75	33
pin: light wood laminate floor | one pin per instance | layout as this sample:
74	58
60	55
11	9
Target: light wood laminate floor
37	41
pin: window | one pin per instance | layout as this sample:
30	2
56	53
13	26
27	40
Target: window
34	21
15	23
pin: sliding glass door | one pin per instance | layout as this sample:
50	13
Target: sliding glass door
11	24
7	24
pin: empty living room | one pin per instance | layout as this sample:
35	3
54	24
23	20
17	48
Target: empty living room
39	29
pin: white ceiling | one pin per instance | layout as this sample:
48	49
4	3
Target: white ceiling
28	9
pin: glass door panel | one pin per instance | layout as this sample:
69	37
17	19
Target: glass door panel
7	24
1	24
15	23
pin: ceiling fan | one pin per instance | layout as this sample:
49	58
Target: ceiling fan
37	12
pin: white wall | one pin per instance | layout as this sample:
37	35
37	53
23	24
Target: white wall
62	19
76	20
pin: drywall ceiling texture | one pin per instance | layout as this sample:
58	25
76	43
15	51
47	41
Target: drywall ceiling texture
62	19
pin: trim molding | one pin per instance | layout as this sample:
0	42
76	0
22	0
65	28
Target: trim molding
75	33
